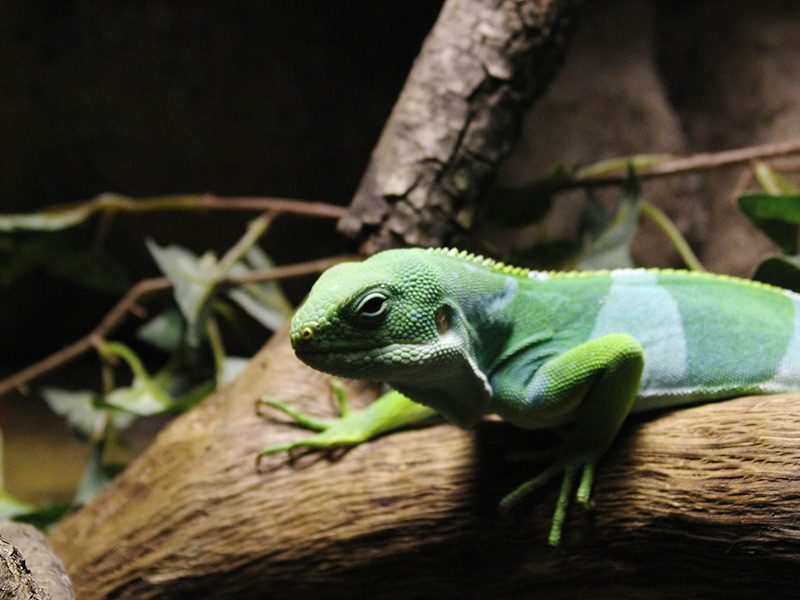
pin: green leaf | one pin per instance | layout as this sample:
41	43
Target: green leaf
11	508
144	397
612	248
257	305
783	271
79	408
164	331
773	182
776	216
193	278
264	301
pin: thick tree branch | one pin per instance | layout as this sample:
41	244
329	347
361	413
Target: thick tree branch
29	570
697	503
457	117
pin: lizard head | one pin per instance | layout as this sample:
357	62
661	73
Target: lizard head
392	318
375	319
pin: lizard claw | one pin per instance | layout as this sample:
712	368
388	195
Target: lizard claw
349	429
389	412
568	467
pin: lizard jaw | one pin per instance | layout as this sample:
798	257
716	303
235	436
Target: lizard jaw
382	363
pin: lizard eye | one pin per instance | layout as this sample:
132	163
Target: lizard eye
372	308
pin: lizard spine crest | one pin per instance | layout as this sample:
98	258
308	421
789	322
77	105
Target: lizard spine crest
490	263
524	272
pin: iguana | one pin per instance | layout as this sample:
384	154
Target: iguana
467	336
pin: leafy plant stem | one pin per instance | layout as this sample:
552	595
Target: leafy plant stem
115	349
130	302
772	181
666	225
217	348
255	229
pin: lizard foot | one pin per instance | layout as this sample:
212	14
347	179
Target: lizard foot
568	467
346	430
389	412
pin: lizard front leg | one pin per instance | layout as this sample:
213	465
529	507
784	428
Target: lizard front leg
597	383
390	411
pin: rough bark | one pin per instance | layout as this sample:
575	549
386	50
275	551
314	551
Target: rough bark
700	502
29	570
457	117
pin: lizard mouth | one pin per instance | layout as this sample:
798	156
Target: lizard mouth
343	351
360	358
301	349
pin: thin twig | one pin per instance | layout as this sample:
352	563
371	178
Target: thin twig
695	162
67	215
275	205
124	307
255	229
288	271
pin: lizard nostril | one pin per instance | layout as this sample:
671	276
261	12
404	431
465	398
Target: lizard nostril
306	333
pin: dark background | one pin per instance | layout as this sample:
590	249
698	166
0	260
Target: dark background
248	98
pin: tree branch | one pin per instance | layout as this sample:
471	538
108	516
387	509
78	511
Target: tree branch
696	503
457	117
29	569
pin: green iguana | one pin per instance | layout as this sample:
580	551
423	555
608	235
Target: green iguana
467	336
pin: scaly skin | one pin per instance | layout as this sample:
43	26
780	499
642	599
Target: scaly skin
467	336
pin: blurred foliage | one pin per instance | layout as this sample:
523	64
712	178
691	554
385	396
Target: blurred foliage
611	248
190	335
63	255
776	212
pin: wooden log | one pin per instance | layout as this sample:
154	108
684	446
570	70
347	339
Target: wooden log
457	118
699	502
29	570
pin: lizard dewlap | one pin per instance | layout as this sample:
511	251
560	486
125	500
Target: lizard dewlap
468	336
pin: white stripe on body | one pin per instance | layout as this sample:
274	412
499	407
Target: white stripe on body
637	305
787	377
